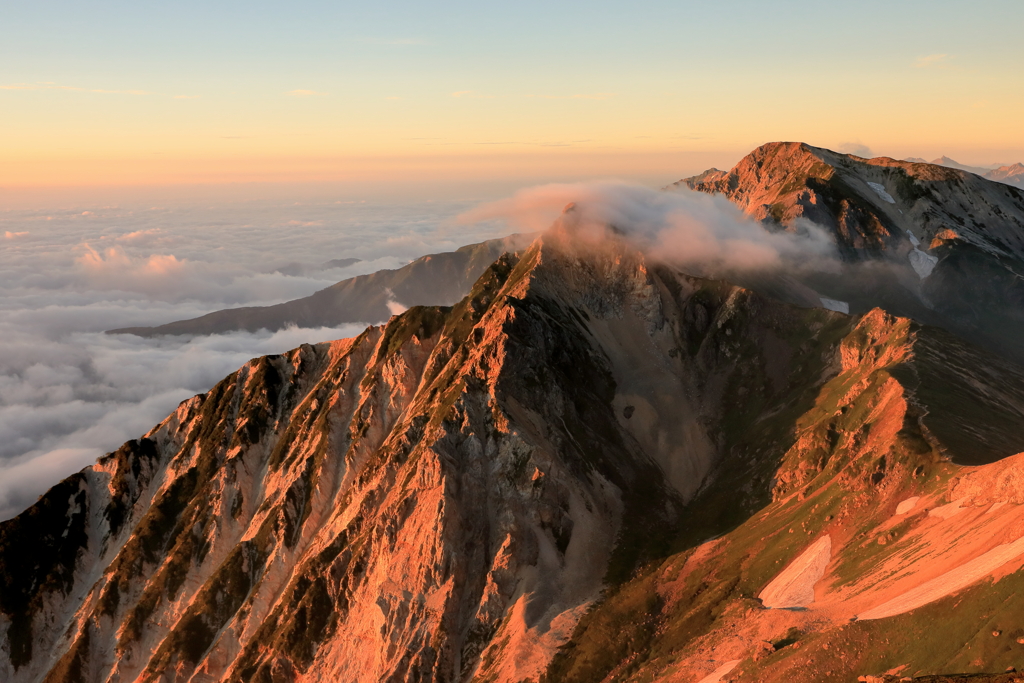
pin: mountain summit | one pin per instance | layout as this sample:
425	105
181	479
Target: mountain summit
937	244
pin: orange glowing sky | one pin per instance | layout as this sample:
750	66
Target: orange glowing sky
128	93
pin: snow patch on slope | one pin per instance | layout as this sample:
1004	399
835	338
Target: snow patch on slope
716	675
922	263
794	587
947	511
995	506
880	191
835	305
907	505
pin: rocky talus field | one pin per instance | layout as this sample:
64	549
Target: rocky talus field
592	468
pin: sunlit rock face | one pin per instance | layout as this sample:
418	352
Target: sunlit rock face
440	498
1012	174
519	487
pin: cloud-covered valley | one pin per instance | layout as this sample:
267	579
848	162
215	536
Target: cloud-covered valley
69	392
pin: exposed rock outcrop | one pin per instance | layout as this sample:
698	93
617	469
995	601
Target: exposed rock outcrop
437	499
940	245
870	204
586	470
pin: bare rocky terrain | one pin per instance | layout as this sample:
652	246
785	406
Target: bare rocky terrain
940	245
592	467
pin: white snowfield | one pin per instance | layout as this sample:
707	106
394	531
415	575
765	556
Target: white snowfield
913	240
880	191
716	675
947	583
922	263
835	305
794	586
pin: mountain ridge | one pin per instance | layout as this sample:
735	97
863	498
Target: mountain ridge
960	237
1011	174
434	279
937	244
471	493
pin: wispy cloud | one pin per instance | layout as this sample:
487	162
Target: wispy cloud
707	235
857	149
580	96
393	41
303	93
137	235
71	88
937	60
471	95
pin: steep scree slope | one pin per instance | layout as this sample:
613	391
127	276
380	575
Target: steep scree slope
860	505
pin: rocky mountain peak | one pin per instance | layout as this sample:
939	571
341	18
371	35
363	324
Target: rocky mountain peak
937	244
440	497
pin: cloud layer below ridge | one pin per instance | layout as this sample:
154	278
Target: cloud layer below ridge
69	392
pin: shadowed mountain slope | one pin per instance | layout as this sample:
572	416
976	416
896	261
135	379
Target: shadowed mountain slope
437	279
520	487
940	245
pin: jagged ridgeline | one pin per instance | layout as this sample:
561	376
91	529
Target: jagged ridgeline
940	245
433	279
585	470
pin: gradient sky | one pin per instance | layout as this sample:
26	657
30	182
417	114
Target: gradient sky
185	92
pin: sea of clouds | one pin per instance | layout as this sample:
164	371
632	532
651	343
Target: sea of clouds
70	393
